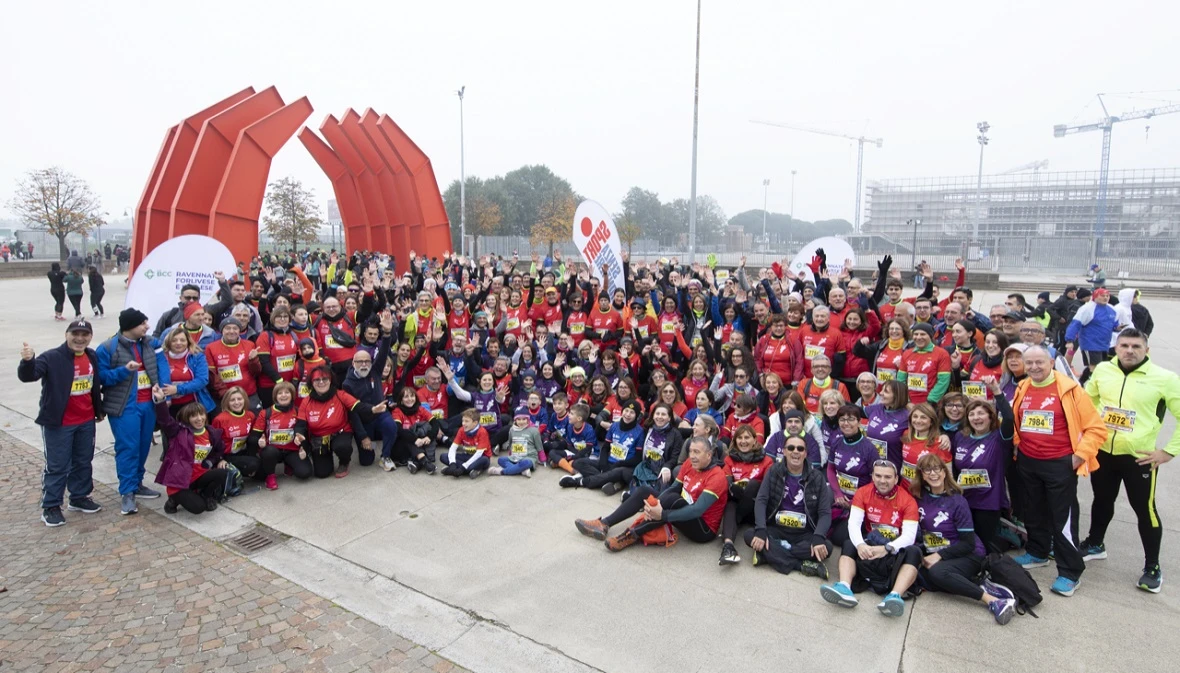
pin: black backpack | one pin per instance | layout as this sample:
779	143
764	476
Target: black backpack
1001	569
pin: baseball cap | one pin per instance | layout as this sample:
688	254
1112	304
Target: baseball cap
80	325
1014	315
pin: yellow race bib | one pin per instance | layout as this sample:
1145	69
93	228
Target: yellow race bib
230	374
789	519
974	478
285	363
81	385
1119	420
916	382
974	390
1039	422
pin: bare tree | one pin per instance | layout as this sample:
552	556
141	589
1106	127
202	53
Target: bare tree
291	212
58	202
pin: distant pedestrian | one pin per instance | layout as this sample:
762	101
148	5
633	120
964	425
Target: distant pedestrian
73	281
57	289
97	291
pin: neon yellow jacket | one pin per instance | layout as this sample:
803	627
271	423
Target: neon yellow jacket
1145	391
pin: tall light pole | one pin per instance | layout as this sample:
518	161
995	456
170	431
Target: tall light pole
765	191
696	97
792	193
462	180
982	139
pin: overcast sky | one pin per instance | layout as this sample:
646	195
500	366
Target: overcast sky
602	92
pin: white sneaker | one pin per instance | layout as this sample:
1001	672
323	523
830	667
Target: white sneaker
388	465
528	473
495	471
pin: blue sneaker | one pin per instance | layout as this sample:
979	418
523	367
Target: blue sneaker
998	590
1027	560
128	504
1092	552
1065	586
892	605
146	493
838	593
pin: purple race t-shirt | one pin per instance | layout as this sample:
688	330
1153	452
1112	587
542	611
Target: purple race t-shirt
979	464
941	521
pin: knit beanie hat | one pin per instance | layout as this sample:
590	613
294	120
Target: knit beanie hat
131	318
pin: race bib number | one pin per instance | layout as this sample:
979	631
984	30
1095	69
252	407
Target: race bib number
909	471
934	541
887	532
652	453
330	342
230	374
882	447
82	385
668	327
916	382
788	519
577	328
618	451
687	496
304	389
436	414
419	381
285	363
721	275
847	483
810	352
696	340
513	323
974	478
974	390
281	436
579	446
1040	422
1119	420
884	375
143	381
200	453
487	418
237	445
519	448
643	331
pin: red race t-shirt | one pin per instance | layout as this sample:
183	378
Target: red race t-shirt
278	428
180	374
882	514
80	406
695	482
1040	420
325	419
235	428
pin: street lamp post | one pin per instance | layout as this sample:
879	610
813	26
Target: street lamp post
696	96
765	190
982	139
792	193
462	180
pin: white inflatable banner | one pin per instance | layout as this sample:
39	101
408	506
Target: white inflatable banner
598	241
836	249
183	260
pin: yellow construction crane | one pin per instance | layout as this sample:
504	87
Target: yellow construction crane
860	155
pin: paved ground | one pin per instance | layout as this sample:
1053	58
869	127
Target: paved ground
491	573
146	594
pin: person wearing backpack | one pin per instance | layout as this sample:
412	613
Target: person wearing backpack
952	554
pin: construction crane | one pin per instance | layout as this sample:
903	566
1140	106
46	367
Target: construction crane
1105	125
860	154
1034	167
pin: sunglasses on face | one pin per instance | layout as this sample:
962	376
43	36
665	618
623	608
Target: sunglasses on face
795	448
189	297
321	380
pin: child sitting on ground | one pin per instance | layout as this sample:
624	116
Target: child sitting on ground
471	450
524	446
193	470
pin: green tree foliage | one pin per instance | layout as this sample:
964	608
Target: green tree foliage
58	202
782	228
292	215
521	198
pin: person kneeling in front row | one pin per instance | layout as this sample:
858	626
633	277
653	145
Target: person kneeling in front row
193	470
693	504
880	553
792	515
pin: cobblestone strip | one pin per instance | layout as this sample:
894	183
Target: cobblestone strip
142	593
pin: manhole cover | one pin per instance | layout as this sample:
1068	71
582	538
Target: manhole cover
254	540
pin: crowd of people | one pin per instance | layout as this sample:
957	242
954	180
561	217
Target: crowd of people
915	435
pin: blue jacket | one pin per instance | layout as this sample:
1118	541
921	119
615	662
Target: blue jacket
1092	326
119	384
55	370
199	386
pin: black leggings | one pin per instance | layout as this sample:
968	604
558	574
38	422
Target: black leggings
96	302
987	527
838	533
695	530
404	449
208	486
593	477
321	455
76	301
300	467
59	302
954	576
258	465
790	557
1141	484
739	508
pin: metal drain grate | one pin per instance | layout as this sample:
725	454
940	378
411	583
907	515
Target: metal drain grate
254	540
